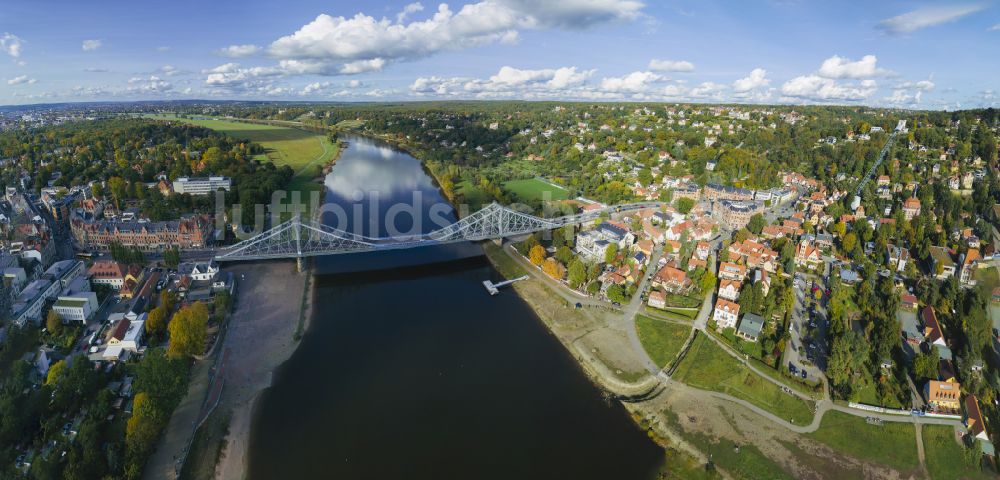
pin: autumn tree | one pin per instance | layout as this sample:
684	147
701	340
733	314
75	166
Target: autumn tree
537	255
188	331
553	268
53	322
156	321
55	371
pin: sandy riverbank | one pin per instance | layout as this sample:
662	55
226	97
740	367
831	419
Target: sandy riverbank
261	337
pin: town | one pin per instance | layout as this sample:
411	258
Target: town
834	293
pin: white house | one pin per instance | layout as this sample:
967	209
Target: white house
78	307
125	338
726	313
199	271
729	289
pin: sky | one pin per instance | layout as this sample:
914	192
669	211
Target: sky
922	55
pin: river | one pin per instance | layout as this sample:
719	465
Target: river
409	369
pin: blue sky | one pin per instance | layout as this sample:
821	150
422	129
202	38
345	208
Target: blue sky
892	53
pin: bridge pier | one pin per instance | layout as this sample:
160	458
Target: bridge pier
300	264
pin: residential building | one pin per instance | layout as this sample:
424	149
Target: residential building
750	327
969	260
125	338
896	257
732	271
657	299
193	231
942	263
714	191
943	395
974	418
911	208
932	327
725	314
737	214
201	185
807	255
108	272
199	271
729	289
671	279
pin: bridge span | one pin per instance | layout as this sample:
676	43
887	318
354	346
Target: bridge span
298	238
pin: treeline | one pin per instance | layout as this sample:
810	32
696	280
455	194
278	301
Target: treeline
123	155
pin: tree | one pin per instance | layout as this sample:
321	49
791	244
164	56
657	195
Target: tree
55	372
756	223
118	189
172	257
616	293
156	321
707	282
577	273
53	322
537	255
847	360
684	205
925	365
564	255
188	331
610	253
849	242
553	268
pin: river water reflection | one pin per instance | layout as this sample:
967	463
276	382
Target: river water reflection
411	370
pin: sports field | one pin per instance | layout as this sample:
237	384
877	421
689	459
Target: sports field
299	149
535	189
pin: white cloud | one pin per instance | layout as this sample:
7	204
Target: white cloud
23	79
409	10
362	66
756	79
994	28
558	78
314	87
91	45
169	70
163	48
821	89
239	51
922	85
151	84
901	97
707	90
927	17
635	82
96	70
671	65
842	67
340	40
11	44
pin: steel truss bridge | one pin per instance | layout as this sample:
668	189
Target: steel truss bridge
298	238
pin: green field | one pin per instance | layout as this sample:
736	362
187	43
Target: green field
892	444
708	367
661	340
945	457
301	150
535	189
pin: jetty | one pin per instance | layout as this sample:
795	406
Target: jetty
494	288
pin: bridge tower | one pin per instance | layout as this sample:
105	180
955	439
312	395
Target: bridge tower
300	262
